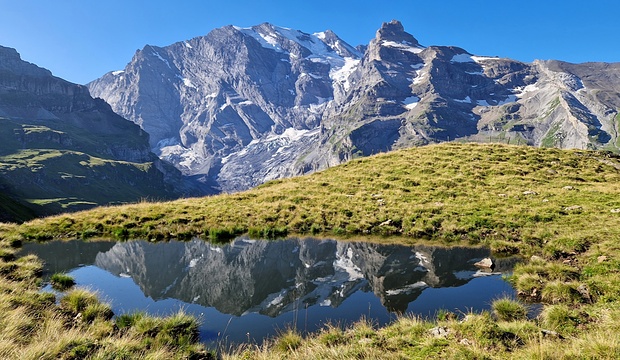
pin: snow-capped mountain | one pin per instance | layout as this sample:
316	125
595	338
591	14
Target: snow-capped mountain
241	106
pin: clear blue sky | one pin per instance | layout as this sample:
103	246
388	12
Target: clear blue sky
80	40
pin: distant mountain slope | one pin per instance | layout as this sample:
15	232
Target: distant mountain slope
62	150
241	106
12	211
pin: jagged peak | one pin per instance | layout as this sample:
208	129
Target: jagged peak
7	52
394	31
281	39
340	46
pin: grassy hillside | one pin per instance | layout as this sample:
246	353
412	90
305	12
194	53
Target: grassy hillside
51	167
88	134
53	181
511	197
559	209
12	211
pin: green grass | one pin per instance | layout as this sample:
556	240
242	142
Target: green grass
53	181
61	281
515	199
34	325
55	166
448	193
551	138
508	309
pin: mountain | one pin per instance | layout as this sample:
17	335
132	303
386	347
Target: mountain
236	105
241	106
61	150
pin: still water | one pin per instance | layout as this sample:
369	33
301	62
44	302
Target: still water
249	290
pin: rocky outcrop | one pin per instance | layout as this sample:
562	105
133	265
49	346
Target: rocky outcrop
31	94
241	106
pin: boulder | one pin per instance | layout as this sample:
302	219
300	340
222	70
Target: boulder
486	263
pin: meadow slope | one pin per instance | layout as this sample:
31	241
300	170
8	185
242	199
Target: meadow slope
559	209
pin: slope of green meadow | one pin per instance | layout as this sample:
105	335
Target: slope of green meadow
558	209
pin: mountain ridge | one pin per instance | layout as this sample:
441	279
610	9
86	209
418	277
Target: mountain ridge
62	150
241	106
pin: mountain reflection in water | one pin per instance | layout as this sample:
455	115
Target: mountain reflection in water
273	278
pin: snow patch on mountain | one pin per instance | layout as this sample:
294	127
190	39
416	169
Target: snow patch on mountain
341	74
466	100
482	59
509	99
156	54
420	76
522	91
461	58
467	58
411	102
404	46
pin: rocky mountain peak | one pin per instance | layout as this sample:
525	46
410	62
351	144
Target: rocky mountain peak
394	31
11	61
338	45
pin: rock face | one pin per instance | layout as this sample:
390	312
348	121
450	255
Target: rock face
63	150
237	106
241	106
30	93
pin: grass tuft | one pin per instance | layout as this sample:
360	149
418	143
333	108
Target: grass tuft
507	309
61	281
288	341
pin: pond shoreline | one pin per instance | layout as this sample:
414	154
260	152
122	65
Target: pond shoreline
311	276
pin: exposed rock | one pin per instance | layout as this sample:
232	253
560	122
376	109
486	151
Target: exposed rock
615	211
386	222
584	292
568	187
551	333
241	106
485	263
530	192
536	258
573	208
465	342
439	331
601	259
